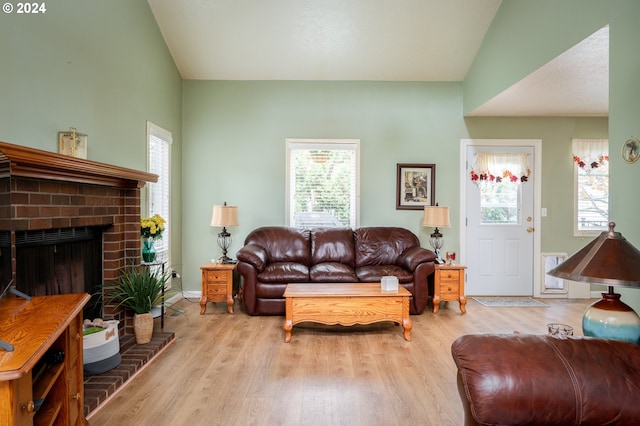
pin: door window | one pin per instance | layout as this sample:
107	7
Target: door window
499	204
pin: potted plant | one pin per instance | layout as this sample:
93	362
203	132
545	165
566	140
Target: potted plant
140	289
151	229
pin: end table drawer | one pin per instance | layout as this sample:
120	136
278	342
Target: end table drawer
216	289
450	276
218	276
448	289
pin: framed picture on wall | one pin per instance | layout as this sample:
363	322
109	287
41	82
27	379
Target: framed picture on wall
416	186
73	143
631	150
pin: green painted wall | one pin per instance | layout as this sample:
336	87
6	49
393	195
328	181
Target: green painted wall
234	144
525	35
99	66
557	167
109	71
624	121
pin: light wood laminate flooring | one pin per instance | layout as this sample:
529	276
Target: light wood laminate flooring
236	369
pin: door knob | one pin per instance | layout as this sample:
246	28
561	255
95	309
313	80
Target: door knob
530	229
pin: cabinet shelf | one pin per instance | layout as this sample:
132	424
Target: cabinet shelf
48	377
48	414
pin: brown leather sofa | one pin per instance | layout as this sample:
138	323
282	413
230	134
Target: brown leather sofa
546	380
274	256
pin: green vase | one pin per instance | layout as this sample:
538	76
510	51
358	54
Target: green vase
148	250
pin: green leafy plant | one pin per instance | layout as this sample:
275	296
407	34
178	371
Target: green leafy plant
140	289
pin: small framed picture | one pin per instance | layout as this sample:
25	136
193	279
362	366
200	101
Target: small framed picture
73	143
416	186
631	150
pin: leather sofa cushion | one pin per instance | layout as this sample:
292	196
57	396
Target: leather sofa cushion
282	244
332	245
382	246
284	272
332	272
372	274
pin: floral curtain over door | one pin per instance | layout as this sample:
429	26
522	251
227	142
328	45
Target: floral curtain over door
490	168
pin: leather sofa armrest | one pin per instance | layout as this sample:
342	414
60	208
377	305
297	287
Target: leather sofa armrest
253	255
414	256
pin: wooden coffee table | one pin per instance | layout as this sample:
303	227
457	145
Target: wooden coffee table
345	304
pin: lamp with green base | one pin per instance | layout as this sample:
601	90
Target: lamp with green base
612	261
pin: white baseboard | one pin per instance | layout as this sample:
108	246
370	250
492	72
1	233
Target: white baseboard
156	310
190	294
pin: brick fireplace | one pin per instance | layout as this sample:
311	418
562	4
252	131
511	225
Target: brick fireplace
47	191
43	194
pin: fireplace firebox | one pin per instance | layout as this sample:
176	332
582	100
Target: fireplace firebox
61	261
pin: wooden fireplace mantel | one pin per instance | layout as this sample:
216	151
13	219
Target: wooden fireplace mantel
35	163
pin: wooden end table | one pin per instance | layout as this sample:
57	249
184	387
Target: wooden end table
345	304
217	285
448	285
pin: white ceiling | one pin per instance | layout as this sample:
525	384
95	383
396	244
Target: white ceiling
371	40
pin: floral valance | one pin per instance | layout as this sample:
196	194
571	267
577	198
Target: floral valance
590	152
491	167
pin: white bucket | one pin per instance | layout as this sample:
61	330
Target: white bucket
101	345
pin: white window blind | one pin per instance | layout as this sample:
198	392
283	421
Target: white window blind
323	183
158	194
591	179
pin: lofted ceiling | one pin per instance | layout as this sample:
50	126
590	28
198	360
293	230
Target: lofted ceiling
371	40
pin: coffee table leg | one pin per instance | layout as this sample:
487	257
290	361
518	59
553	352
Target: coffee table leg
406	324
288	321
287	326
406	321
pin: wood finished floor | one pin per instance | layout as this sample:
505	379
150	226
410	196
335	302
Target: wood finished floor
236	369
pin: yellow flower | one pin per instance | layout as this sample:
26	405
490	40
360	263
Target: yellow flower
152	227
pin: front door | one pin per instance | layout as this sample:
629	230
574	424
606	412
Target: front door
500	227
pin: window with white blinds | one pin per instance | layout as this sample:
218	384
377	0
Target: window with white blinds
591	203
323	183
158	194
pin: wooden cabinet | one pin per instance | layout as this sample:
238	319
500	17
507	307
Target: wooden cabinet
41	380
448	285
217	285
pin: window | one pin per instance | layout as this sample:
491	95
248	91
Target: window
158	193
591	176
323	183
499	177
499	204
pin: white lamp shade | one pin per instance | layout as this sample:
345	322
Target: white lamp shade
436	216
224	216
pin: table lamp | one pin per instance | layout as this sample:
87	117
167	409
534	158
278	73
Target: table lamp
610	260
436	216
224	216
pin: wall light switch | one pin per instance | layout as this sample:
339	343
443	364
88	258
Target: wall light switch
544	212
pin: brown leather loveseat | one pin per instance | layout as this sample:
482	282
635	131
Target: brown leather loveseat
274	256
546	380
